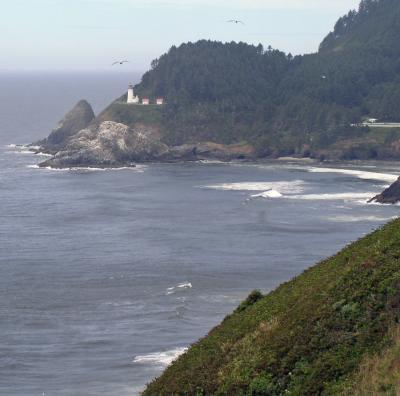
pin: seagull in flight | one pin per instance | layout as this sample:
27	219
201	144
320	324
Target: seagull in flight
119	62
235	21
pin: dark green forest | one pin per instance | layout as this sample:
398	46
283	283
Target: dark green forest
232	92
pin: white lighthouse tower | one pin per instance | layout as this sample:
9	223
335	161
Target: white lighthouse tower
132	99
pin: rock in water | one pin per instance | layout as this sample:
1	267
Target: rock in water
77	119
390	196
110	144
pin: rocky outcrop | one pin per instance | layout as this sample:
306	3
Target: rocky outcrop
80	139
390	196
110	144
211	150
77	119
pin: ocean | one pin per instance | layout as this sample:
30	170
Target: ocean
108	275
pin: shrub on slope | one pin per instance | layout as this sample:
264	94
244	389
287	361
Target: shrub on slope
308	337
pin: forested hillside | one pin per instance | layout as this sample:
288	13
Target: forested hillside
283	104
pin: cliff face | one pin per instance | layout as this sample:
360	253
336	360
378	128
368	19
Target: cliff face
109	144
319	334
113	144
390	196
122	135
74	121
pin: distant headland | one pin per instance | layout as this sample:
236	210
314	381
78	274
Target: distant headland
235	101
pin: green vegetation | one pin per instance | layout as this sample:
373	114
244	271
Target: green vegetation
281	104
378	374
321	333
130	115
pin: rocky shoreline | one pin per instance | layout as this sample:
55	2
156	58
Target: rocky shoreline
82	140
389	196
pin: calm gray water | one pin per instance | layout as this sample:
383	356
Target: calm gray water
107	275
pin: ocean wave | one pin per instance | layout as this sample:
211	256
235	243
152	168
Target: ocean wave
290	190
334	197
120	303
21	152
44	154
160	358
212	162
374	203
179	287
282	187
353	219
137	168
365	175
268	194
36	166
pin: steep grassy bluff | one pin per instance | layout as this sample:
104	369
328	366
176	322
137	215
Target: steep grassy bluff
333	330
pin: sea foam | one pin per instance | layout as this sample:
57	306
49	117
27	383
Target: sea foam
137	168
268	194
353	219
160	358
282	187
179	287
365	175
333	197
21	152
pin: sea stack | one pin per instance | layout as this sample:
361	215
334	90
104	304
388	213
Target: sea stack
77	119
390	196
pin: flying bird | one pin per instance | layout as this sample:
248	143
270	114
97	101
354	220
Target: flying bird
119	62
235	21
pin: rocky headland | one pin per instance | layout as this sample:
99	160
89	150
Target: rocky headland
83	140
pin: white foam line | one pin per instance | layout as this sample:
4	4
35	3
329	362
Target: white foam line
333	197
212	162
352	219
160	358
365	175
21	152
44	154
268	194
137	168
180	286
294	186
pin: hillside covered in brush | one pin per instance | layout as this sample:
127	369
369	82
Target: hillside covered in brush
283	104
333	330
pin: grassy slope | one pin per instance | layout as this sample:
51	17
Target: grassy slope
307	337
378	374
131	115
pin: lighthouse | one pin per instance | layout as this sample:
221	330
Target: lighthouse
132	99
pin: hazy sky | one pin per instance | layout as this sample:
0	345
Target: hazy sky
90	34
